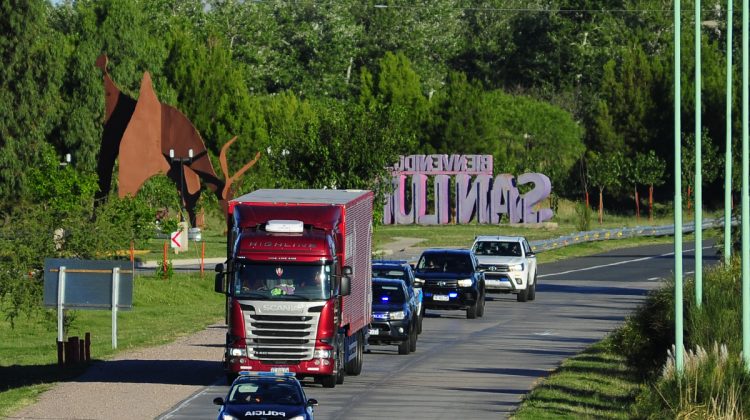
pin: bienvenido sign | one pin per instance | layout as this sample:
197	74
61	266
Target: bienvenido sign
477	193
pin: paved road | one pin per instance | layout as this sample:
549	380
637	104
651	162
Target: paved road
478	369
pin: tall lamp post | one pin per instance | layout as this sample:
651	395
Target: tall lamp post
182	161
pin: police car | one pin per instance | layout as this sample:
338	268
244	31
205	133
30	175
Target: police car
266	395
399	269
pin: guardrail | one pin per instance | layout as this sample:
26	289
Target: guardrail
619	233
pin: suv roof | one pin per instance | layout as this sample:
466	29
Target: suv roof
499	238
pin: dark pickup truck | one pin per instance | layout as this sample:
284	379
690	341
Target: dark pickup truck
451	279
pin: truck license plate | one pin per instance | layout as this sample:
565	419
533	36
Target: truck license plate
374	331
279	369
443	298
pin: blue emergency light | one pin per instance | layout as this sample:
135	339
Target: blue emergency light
265	374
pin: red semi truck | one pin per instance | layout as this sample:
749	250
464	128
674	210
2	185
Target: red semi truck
298	282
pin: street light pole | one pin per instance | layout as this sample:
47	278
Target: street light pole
182	161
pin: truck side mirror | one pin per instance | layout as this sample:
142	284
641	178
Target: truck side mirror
219	279
346	286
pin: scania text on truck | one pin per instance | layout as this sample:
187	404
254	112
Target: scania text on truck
298	282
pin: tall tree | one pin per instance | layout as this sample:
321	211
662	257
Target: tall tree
652	170
31	78
527	131
428	32
605	171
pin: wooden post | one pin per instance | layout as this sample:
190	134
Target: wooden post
60	353
164	261
87	346
81	350
74	352
203	255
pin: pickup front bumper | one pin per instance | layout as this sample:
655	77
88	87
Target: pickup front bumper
389	332
437	297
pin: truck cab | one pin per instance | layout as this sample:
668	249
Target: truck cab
295	280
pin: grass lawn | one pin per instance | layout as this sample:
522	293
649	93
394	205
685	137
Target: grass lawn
163	310
593	384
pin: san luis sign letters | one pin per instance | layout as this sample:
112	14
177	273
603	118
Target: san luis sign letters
477	194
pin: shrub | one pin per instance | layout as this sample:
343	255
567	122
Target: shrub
583	217
649	332
713	385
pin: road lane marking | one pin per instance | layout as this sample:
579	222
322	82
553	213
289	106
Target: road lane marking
594	267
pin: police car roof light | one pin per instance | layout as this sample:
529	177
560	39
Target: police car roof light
266	374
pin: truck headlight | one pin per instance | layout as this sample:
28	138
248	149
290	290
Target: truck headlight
321	354
398	315
464	283
237	352
516	267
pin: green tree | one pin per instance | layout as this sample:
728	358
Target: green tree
605	171
31	78
651	168
711	162
459	122
427	32
333	144
527	130
395	84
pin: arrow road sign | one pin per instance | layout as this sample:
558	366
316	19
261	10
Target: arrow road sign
176	239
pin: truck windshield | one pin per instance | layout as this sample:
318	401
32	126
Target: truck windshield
282	281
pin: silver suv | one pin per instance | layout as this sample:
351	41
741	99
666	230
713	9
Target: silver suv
508	264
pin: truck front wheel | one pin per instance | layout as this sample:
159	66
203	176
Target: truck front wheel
328	381
340	361
354	366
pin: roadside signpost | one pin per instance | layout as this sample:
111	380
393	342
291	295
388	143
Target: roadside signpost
89	285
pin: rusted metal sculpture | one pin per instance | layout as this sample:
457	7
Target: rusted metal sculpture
143	132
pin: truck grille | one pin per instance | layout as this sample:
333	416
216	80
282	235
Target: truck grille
281	338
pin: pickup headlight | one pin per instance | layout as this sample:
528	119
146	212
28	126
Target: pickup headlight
228	417
464	283
516	267
297	418
398	315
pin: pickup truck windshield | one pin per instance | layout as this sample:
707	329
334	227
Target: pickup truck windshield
498	249
282	281
444	263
